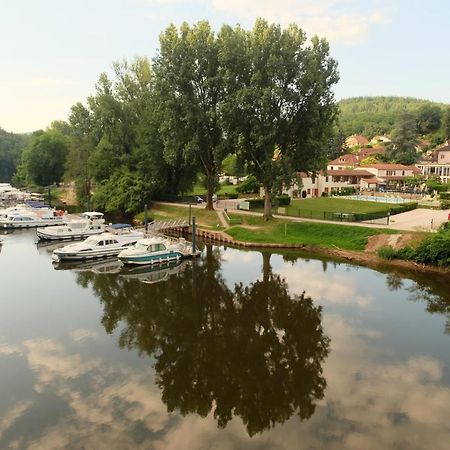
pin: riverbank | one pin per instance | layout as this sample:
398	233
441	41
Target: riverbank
355	243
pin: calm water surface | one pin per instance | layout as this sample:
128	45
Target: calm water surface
236	350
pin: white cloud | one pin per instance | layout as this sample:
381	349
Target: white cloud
338	20
336	288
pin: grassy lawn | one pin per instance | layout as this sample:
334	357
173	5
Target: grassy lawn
332	204
324	235
204	218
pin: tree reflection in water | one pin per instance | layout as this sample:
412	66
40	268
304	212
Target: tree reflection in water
432	290
252	351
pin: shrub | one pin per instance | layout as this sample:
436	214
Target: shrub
232	195
434	250
345	191
283	200
445	195
445	204
387	252
249	186
256	203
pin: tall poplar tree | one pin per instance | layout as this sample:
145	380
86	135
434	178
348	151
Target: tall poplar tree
280	108
190	91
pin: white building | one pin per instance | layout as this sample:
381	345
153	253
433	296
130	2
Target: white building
438	165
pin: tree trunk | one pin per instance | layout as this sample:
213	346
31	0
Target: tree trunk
267	204
210	192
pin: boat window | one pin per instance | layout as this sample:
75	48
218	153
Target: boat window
101	243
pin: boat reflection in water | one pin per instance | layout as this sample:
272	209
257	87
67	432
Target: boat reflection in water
145	274
251	351
103	266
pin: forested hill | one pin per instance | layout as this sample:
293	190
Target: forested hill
377	115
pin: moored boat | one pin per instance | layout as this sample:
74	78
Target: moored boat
32	219
111	243
155	250
89	224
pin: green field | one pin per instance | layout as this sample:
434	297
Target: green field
324	235
333	204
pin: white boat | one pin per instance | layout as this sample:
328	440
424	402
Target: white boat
101	245
155	250
32	219
89	224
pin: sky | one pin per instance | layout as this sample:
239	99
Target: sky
53	51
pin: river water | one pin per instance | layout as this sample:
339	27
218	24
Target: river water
234	350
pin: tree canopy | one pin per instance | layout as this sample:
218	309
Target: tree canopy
11	147
43	160
280	109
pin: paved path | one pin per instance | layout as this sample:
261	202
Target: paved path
415	220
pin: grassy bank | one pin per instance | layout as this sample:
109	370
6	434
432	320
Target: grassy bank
323	235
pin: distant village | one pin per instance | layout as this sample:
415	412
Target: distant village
359	169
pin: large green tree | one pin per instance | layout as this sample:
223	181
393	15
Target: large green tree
116	148
43	160
11	147
279	108
429	119
190	91
446	122
404	140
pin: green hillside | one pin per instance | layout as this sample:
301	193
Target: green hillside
377	115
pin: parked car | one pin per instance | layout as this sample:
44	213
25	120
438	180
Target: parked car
198	199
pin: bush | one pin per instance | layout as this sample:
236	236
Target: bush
434	250
232	195
445	195
397	209
387	252
445	204
283	200
249	186
256	203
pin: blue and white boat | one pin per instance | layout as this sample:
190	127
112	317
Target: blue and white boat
155	250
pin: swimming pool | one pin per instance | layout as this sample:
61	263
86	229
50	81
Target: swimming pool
370	198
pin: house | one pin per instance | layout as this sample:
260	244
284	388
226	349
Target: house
437	164
346	161
355	140
388	176
326	183
349	160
